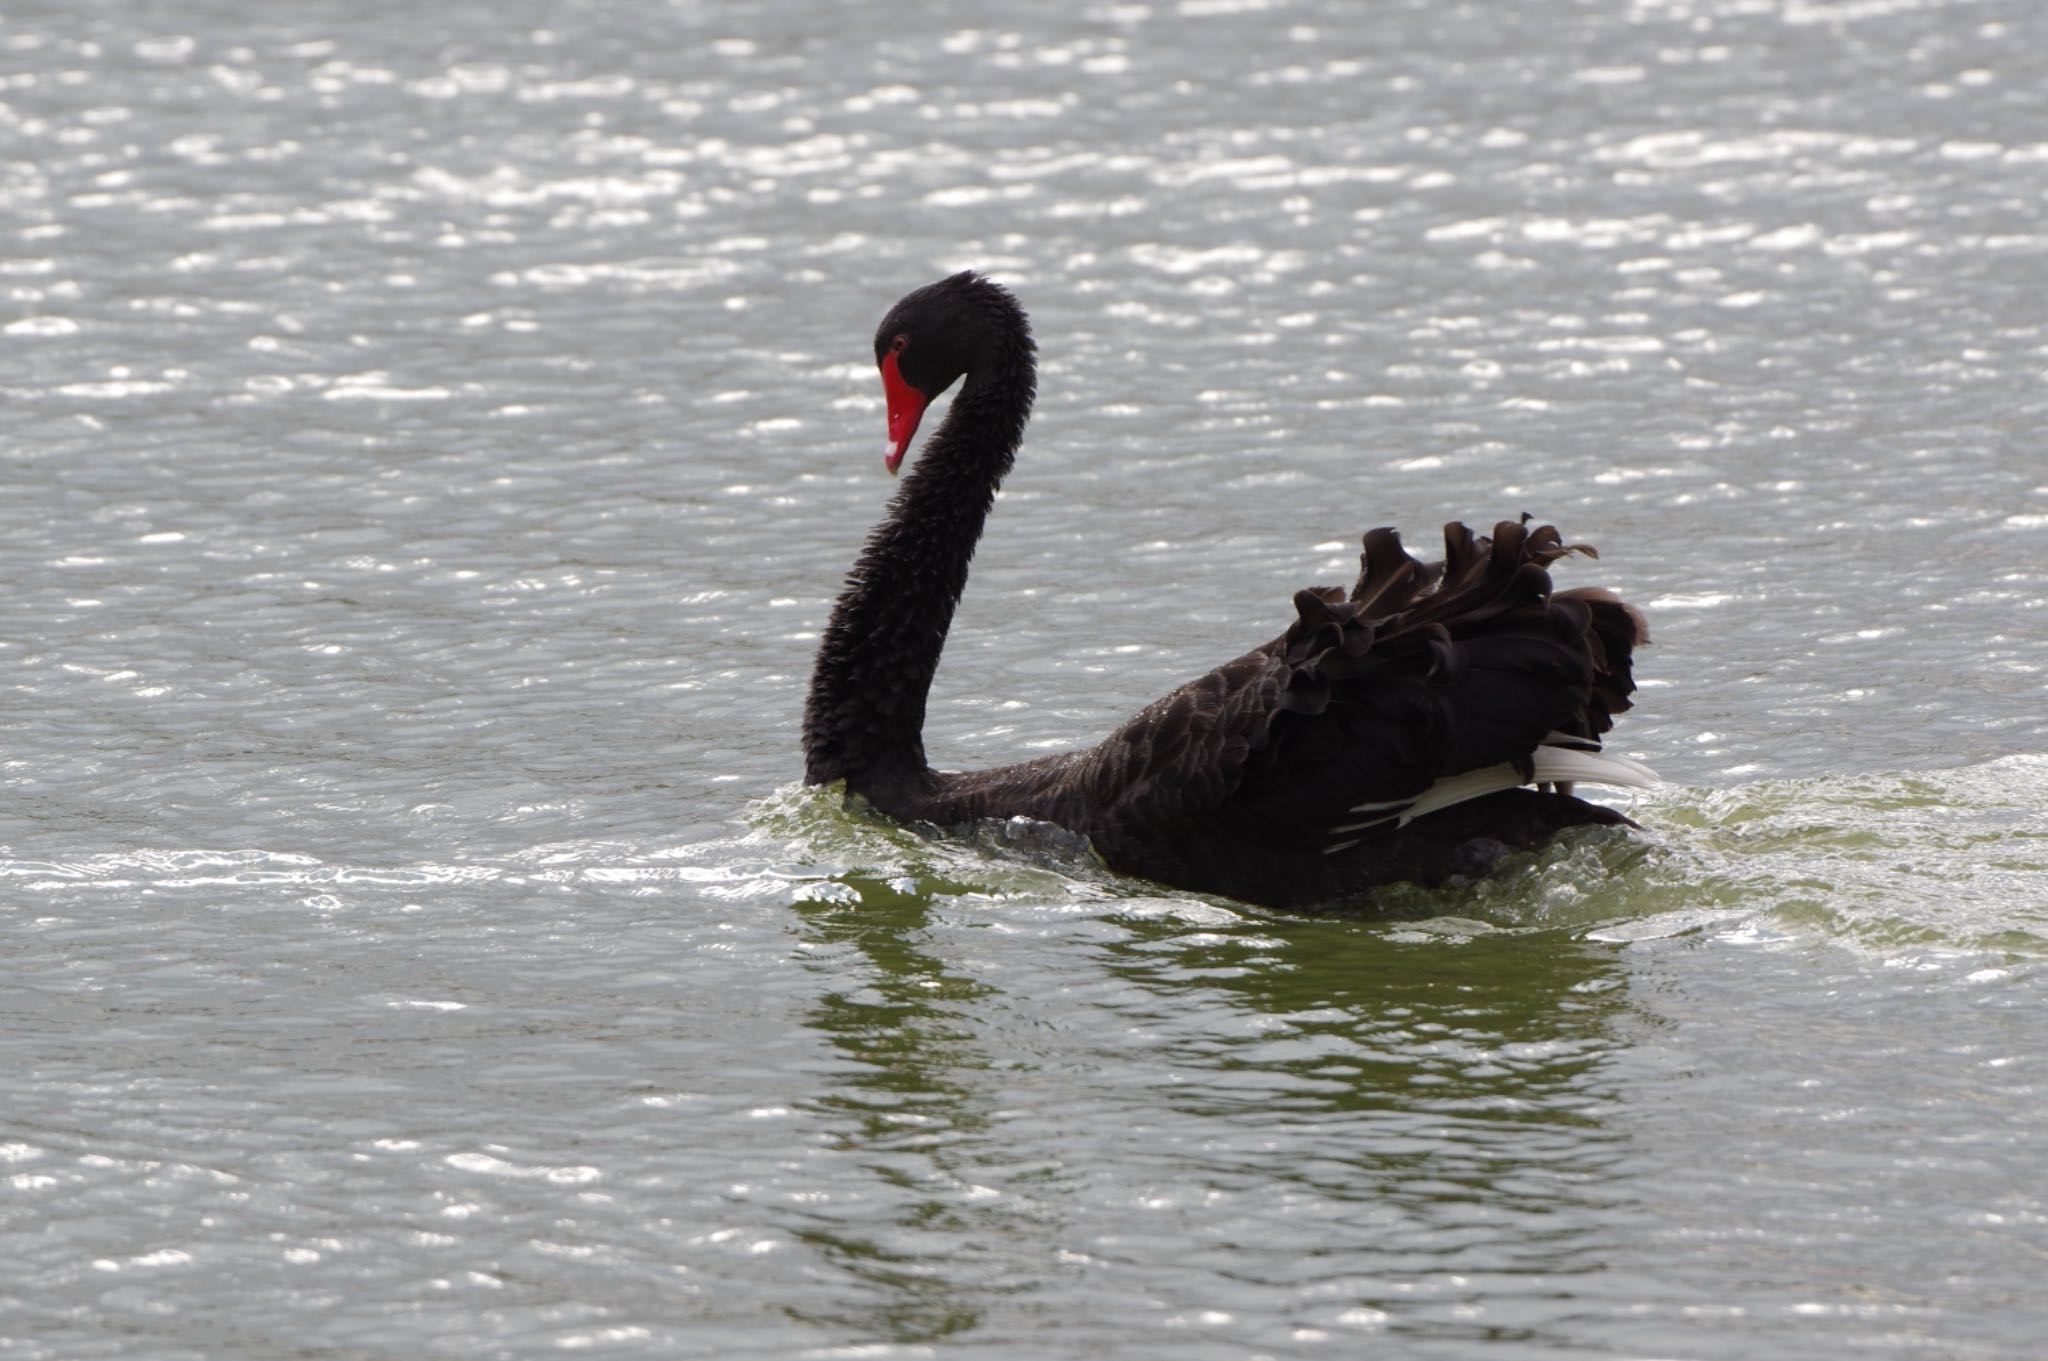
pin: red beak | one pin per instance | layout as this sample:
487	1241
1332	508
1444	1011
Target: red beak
906	409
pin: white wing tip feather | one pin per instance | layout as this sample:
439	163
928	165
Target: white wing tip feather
1580	762
1554	764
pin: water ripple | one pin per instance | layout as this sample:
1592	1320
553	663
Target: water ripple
431	448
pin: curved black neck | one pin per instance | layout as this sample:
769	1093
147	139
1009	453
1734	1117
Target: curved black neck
864	721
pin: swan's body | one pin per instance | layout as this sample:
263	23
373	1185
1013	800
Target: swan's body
1381	738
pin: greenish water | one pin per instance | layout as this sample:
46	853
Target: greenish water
1941	859
431	443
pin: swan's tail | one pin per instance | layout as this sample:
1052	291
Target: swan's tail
1429	687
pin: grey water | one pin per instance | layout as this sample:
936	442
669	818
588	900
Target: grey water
431	439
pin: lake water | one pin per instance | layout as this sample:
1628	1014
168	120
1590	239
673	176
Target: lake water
431	441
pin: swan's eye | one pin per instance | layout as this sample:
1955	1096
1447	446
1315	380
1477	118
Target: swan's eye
899	344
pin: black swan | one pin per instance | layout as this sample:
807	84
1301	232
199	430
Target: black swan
1383	737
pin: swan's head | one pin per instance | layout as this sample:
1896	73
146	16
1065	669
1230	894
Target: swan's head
934	335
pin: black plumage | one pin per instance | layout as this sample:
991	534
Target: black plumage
1381	738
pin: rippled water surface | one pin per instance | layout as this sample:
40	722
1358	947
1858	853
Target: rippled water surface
431	442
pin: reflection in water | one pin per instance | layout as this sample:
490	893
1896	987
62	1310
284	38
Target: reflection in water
1432	1102
1068	1107
431	441
908	1111
1441	1093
